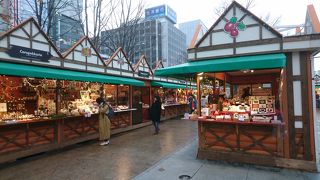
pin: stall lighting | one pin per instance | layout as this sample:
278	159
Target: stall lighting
201	78
200	74
121	84
247	70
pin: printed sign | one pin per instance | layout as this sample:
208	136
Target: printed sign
86	51
143	74
28	53
3	107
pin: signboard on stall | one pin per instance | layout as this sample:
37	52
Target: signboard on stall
28	53
143	74
3	107
86	51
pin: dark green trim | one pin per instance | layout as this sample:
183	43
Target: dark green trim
268	61
51	73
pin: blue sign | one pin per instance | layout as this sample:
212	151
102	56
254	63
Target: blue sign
161	11
171	14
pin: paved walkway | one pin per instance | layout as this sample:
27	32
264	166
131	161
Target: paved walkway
127	155
183	162
142	156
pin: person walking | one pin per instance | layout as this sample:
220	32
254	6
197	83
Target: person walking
192	102
155	113
104	122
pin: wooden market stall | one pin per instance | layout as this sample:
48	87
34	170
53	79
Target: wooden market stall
260	107
47	98
172	92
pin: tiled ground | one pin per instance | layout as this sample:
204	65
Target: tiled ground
127	155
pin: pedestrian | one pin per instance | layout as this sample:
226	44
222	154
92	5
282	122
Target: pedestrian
245	93
155	113
192	103
104	122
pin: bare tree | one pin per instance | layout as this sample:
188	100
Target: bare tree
270	20
4	16
113	21
44	11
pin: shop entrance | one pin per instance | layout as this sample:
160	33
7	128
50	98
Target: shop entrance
141	102
255	95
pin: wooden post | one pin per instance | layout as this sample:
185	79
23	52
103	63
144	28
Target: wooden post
58	96
198	96
101	90
130	103
225	82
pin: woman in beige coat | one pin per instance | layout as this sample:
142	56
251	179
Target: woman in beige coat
104	122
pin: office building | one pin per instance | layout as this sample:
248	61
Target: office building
6	14
65	27
312	24
155	36
193	30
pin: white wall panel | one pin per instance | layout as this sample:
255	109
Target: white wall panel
51	62
220	25
79	57
116	64
27	27
3	42
19	32
221	38
127	74
96	69
295	64
40	46
54	53
78	48
259	48
19	42
297	98
298	124
41	38
267	34
75	66
205	42
248	20
249	34
100	62
191	55
113	72
213	53
92	59
6	56
35	29
301	44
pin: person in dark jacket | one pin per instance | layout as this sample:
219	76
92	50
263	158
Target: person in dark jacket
155	113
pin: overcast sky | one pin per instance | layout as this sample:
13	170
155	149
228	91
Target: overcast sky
292	12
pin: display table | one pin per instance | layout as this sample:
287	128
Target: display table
145	114
173	110
236	141
24	138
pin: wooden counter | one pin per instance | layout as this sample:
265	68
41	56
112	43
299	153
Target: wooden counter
244	142
23	138
173	110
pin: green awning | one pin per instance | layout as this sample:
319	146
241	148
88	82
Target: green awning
51	73
269	61
168	85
